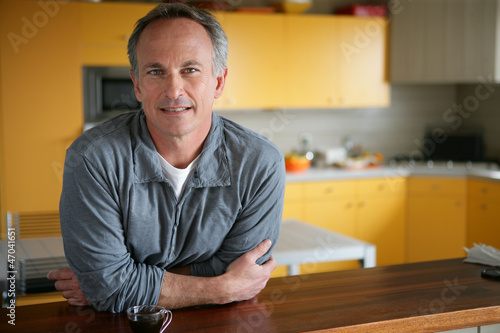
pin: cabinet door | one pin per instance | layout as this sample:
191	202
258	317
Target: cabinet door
330	205
312	61
381	217
436	218
41	103
440	41
106	28
362	61
336	215
483	223
255	62
293	205
436	228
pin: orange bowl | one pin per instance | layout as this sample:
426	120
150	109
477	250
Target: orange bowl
297	164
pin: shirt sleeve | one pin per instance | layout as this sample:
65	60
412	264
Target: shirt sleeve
259	219
94	242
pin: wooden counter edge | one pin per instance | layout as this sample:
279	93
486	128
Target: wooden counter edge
437	322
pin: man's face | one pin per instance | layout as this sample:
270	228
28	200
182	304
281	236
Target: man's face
175	82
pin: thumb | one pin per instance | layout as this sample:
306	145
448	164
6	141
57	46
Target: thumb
261	249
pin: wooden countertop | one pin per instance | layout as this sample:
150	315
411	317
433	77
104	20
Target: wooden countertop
424	297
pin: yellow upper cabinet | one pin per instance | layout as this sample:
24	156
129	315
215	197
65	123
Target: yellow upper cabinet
363	62
312	65
275	60
255	61
336	61
106	28
40	100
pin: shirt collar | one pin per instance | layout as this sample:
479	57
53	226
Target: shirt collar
212	169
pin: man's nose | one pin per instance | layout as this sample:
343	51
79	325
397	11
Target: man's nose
174	86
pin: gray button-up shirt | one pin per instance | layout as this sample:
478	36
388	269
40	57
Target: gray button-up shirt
123	226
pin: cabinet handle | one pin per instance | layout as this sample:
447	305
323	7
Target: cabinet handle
484	206
381	187
361	204
484	190
435	187
231	101
329	190
126	37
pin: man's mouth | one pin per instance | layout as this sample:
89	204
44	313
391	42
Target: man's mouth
175	109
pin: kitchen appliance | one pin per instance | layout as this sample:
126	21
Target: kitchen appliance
29	261
107	92
461	145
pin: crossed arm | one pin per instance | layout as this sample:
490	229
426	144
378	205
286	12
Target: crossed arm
242	280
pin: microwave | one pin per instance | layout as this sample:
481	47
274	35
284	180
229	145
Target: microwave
107	91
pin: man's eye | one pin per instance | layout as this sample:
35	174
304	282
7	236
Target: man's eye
190	70
155	72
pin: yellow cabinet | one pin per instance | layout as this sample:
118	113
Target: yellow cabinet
330	205
372	210
363	61
436	218
293	207
313	69
255	62
40	101
335	62
381	216
106	28
483	225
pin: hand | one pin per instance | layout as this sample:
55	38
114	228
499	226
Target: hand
245	278
68	284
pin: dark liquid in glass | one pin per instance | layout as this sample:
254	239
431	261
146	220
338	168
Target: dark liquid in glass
146	325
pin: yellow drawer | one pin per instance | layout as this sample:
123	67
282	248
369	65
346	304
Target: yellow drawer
382	186
293	191
435	185
484	190
329	189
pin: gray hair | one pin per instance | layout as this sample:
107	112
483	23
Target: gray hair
169	11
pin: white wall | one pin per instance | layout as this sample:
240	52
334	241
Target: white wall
391	130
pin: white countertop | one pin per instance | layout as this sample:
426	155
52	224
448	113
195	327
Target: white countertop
481	170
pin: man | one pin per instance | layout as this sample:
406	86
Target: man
171	205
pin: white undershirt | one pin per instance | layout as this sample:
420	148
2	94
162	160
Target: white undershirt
177	177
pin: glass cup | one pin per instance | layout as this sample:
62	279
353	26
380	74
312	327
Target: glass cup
148	318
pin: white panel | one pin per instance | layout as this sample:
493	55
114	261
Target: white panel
454	47
463	330
490	329
473	39
433	25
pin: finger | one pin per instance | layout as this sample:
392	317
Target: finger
271	263
73	294
61	274
63	285
260	249
78	302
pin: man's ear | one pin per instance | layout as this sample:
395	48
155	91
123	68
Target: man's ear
221	82
137	90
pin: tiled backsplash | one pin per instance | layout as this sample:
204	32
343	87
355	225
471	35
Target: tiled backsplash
397	129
